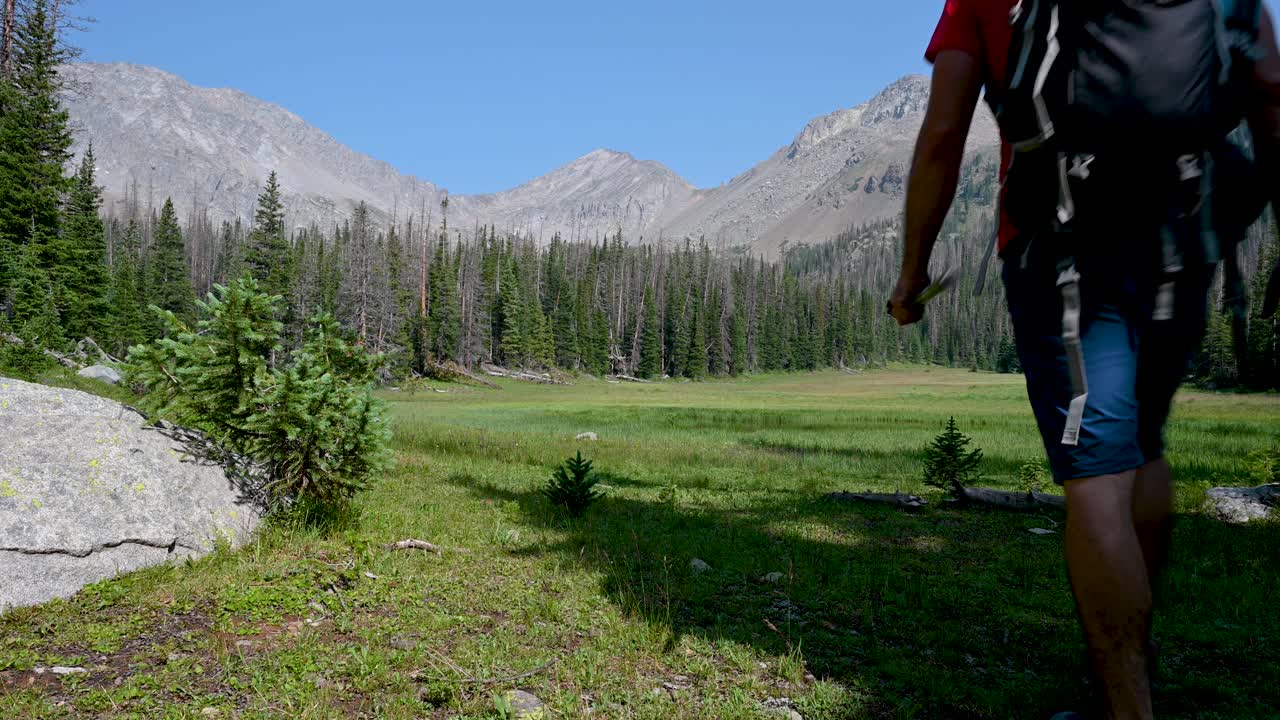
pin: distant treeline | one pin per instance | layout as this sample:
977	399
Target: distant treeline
428	294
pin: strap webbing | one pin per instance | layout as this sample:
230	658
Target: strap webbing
1069	284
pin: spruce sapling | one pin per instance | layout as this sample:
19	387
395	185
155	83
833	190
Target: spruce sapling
572	486
948	465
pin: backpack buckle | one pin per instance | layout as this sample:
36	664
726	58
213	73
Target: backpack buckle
1080	166
1189	168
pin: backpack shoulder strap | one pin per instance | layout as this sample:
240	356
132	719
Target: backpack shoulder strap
1243	21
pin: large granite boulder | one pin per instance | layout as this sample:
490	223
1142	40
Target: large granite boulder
88	491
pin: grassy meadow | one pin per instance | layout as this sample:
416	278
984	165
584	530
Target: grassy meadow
943	612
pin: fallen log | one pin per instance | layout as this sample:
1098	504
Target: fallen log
416	545
454	371
62	360
901	500
84	346
423	545
1011	499
629	378
525	375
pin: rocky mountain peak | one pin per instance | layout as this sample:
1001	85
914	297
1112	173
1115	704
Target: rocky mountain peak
905	99
822	128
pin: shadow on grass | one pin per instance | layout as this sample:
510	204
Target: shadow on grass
949	612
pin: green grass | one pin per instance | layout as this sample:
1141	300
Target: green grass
938	613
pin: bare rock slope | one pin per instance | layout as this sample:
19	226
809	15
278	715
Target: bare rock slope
843	169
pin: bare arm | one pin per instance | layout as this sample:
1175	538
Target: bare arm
1264	120
935	170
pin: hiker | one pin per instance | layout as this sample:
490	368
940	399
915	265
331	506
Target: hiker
1117	206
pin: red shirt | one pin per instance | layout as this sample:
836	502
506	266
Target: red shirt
980	28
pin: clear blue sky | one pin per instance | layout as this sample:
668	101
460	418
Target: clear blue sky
481	95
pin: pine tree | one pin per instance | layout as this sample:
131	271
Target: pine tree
81	272
511	346
948	465
1262	352
268	257
313	425
35	143
772	348
717	363
230	263
572	486
564	329
445	313
650	364
595	352
38	332
35	135
696	369
169	283
34	291
738	345
541	348
681	331
124	299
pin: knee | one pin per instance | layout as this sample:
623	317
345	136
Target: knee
1105	500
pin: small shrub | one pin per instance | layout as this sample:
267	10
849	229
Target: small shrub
668	494
572	486
1032	476
1264	466
26	358
308	419
947	464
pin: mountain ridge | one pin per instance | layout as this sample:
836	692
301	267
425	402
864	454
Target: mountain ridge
212	148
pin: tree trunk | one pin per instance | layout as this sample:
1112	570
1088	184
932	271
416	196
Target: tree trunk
6	47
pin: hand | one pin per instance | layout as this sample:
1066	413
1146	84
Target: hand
902	304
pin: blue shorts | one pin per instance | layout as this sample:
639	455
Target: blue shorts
1133	364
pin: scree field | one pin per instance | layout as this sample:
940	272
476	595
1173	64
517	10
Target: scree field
876	612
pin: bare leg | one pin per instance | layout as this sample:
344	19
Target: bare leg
1109	577
1152	513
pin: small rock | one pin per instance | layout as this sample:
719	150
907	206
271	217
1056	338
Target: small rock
403	642
173	657
675	685
60	670
773	577
526	706
211	712
108	375
321	682
588	436
1040	531
244	643
782	708
371	576
698	566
